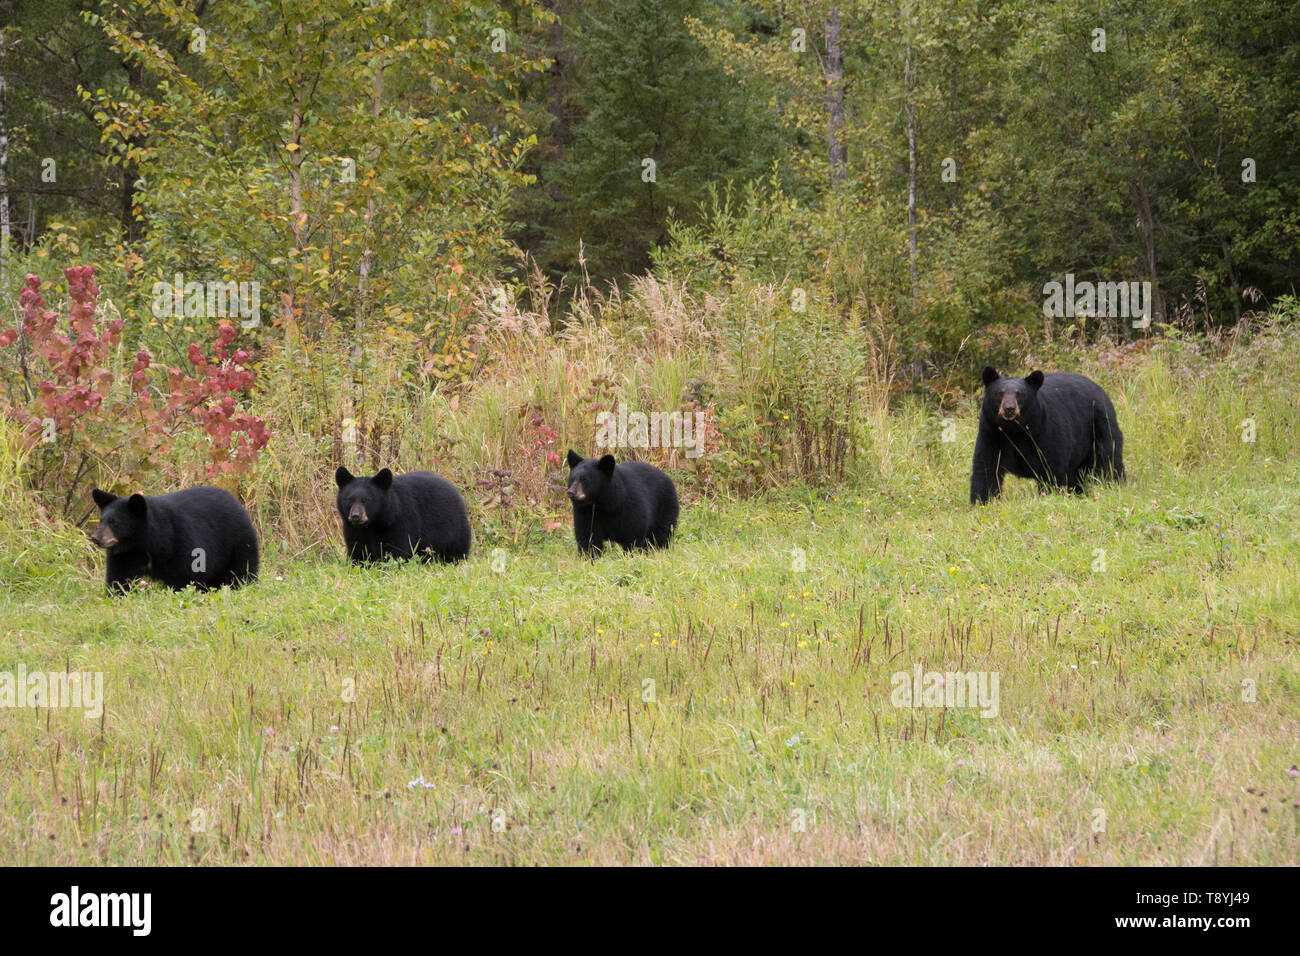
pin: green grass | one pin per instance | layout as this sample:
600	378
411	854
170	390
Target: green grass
1124	732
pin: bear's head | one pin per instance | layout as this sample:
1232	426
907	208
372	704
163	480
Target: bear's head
123	522
364	501
588	477
1010	400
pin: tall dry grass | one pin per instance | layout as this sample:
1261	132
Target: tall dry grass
784	396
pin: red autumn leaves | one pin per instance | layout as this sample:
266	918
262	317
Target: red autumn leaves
68	378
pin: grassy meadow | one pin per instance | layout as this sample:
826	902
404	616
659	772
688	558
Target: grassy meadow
727	701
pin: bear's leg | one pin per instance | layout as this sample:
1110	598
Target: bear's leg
120	585
246	565
400	550
242	569
641	542
584	531
987	473
1072	480
369	552
1107	447
123	570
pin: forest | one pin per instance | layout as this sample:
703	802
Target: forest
772	248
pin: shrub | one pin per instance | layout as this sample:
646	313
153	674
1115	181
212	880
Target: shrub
80	417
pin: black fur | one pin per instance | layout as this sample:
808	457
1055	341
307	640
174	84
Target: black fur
1057	429
200	536
633	504
391	516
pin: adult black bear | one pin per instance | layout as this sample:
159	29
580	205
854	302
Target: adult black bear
391	516
1056	429
200	536
633	504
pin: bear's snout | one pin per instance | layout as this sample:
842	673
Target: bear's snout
357	515
1009	409
576	493
104	537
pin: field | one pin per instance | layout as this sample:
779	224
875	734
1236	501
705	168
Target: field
730	700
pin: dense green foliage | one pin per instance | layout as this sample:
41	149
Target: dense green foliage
245	243
182	127
838	198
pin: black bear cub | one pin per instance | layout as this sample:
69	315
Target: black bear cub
200	536
1057	429
397	516
633	504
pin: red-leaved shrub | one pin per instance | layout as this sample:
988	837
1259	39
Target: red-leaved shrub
82	420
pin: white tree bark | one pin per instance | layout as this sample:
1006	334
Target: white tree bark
834	78
363	284
910	113
5	227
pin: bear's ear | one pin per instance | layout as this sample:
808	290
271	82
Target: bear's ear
606	464
343	476
1034	380
137	505
990	375
574	459
384	480
103	498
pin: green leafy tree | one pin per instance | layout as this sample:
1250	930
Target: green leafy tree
354	159
656	121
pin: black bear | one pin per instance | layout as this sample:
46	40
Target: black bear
200	536
633	504
1055	428
398	516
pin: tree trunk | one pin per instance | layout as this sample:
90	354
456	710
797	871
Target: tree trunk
4	163
911	169
295	193
1147	223
363	283
1234	282
132	228
834	79
555	82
